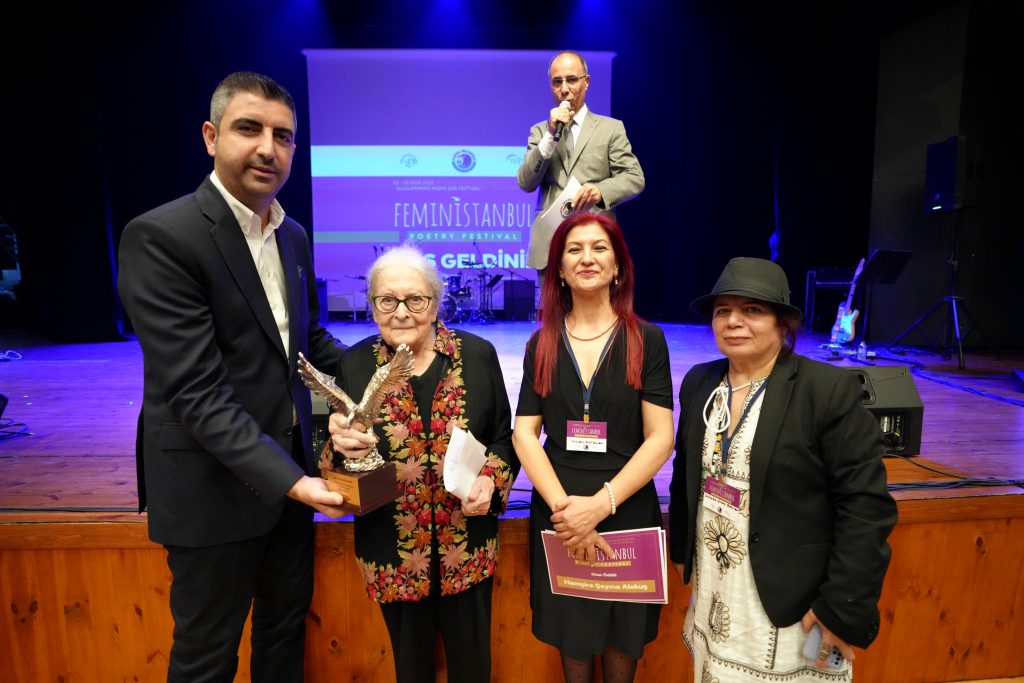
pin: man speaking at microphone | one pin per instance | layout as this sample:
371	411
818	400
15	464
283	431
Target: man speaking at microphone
575	142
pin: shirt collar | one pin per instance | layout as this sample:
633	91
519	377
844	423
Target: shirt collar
580	115
247	219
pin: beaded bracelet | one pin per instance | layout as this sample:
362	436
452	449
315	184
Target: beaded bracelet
611	495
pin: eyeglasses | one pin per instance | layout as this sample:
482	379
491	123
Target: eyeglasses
414	304
573	81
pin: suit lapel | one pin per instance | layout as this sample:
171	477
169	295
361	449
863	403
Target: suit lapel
290	268
231	243
773	411
589	124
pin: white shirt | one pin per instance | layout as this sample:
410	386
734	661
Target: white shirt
547	144
263	246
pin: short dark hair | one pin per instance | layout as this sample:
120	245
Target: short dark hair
790	322
250	82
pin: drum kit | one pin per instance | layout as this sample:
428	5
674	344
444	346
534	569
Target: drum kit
465	294
467	298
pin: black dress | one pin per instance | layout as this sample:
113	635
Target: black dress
580	627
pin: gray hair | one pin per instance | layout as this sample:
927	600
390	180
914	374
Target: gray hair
406	256
247	82
575	54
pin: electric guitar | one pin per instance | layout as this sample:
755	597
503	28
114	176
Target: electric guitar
842	330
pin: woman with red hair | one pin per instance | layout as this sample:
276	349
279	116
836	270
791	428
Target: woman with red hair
596	378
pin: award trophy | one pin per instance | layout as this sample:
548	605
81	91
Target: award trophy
368	482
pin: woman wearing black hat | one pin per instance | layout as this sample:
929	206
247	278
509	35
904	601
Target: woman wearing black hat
779	509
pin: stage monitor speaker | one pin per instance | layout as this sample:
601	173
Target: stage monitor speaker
945	175
519	303
889	393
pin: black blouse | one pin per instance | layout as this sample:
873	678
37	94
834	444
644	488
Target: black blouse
613	400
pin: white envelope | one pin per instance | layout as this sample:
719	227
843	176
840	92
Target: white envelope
462	462
552	218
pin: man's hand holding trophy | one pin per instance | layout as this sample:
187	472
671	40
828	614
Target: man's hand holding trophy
367	482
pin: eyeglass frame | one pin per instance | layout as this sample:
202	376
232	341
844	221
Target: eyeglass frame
376	303
567	80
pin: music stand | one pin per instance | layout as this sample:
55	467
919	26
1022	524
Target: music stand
883	267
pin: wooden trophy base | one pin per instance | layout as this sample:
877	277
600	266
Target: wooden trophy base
364	491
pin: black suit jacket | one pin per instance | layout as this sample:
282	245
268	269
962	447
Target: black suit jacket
820	511
215	431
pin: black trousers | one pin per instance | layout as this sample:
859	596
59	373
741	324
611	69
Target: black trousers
464	622
213	589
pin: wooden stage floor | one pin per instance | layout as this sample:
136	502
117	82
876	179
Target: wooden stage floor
67	479
78	404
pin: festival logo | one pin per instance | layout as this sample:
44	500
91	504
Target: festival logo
464	161
408	160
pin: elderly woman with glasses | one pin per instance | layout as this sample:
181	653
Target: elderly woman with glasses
779	509
428	558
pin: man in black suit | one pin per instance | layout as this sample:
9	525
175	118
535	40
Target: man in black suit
219	286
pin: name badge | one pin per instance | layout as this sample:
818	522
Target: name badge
586	436
720	497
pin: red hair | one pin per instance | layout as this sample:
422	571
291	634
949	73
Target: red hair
556	303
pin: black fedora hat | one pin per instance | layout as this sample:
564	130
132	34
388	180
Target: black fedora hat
754	278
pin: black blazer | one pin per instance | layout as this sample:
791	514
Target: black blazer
820	511
215	430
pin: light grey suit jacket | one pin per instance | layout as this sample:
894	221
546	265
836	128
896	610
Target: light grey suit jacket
602	156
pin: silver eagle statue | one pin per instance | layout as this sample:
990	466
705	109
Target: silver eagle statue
386	379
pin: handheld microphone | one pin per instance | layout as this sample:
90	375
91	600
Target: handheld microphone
564	104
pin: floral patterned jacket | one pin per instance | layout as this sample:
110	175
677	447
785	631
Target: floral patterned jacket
395	543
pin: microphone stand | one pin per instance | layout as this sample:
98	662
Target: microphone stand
484	308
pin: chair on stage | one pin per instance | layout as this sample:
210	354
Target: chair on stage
823	278
882	267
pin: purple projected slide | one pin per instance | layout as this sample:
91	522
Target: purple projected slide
424	145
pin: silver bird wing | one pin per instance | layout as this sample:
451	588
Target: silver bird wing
323	385
387	378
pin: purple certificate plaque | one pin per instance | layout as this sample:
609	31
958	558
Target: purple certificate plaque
636	572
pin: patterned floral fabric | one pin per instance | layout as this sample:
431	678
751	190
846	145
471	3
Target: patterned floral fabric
394	544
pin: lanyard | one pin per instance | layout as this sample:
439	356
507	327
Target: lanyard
725	439
588	389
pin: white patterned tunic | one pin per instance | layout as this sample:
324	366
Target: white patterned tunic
727	631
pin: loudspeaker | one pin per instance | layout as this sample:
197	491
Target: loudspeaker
3	404
890	395
945	175
519	299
